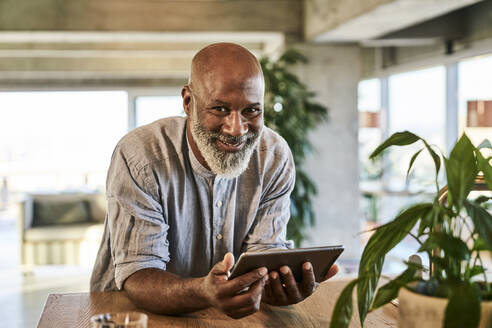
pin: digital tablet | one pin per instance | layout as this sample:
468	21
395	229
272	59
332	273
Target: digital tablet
321	258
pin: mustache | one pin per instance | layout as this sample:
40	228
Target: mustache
248	137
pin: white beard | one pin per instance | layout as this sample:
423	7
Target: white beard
224	164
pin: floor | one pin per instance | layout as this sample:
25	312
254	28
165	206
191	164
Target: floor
23	296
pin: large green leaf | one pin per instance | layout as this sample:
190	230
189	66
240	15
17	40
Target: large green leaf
461	170
342	314
368	282
435	158
292	56
474	271
463	308
482	199
482	220
381	242
452	246
389	292
431	218
479	245
442	265
397	139
412	160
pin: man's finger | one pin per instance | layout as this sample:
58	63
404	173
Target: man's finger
278	291
307	285
292	291
239	283
268	293
331	272
249	298
257	288
223	267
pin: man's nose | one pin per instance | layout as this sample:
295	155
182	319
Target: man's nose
234	125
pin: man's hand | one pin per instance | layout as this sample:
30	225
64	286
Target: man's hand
227	295
282	289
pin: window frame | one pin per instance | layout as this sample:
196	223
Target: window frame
134	93
451	65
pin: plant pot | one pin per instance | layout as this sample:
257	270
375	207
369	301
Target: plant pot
422	311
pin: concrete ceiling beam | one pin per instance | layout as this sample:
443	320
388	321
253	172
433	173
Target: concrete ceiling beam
113	55
359	20
283	16
72	75
172	65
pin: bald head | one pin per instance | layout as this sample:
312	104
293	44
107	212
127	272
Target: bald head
225	61
224	105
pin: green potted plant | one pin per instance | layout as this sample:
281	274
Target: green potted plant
291	110
455	231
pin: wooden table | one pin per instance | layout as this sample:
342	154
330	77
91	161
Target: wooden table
75	310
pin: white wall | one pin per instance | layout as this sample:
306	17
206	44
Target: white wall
333	73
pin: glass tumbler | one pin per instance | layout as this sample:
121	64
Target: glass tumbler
120	320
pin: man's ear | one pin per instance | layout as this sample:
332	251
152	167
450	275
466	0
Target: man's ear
186	95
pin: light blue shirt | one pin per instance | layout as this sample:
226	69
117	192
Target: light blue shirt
167	211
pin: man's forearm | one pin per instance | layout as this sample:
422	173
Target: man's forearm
162	292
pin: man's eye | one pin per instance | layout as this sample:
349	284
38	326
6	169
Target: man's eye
220	109
252	110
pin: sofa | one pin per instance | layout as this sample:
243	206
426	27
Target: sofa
61	229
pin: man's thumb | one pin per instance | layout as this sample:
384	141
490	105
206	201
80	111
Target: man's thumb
228	261
224	266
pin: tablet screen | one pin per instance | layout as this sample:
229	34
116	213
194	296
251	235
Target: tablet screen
321	258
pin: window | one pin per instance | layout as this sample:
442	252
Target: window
475	81
151	108
59	140
368	95
417	102
369	104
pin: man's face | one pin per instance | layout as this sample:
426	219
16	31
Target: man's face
226	121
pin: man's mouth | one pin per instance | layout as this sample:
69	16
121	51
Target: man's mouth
230	147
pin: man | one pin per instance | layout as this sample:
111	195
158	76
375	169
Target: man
186	196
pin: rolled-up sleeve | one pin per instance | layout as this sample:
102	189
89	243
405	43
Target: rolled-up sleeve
138	229
273	214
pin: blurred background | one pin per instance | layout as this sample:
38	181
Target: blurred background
75	76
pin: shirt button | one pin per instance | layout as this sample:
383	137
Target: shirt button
219	236
219	203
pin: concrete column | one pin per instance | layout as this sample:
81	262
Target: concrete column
333	73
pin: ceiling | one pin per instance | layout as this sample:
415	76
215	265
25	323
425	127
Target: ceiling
45	41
